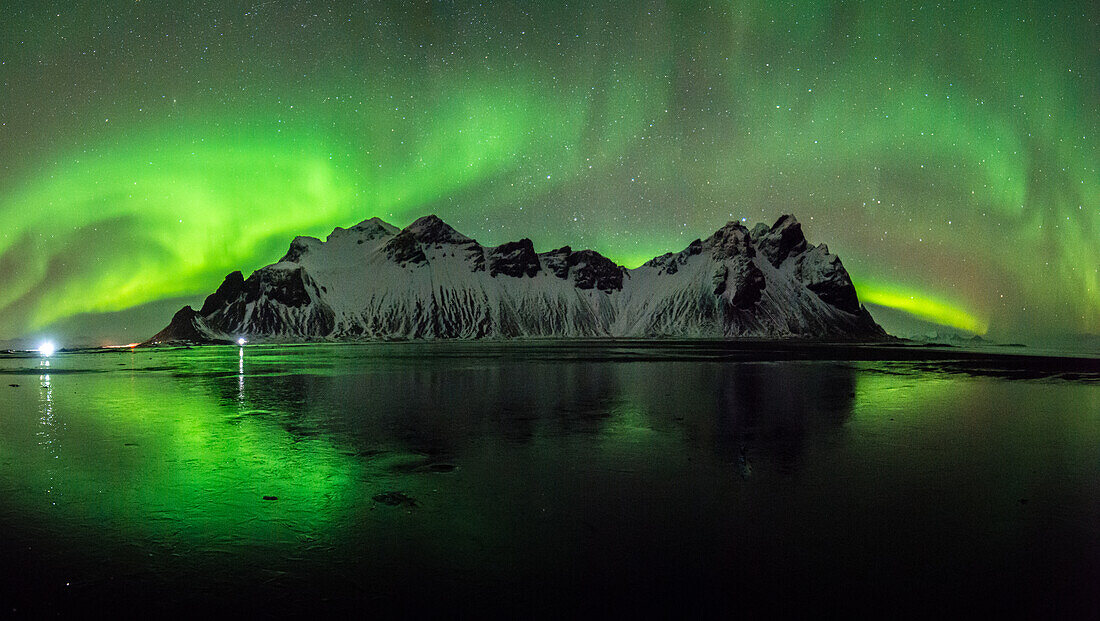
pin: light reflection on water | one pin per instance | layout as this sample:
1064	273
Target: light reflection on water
47	432
256	472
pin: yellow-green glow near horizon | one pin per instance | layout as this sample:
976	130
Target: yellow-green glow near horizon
944	152
935	311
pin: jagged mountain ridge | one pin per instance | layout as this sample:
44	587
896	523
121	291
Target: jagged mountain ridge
375	281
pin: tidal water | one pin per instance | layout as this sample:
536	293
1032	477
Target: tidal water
543	478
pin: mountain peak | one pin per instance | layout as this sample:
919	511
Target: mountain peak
229	289
375	221
784	221
782	240
432	229
300	246
731	240
376	224
372	228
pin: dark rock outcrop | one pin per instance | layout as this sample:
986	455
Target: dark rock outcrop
229	290
784	239
670	262
588	269
269	300
730	241
184	329
514	259
824	274
743	279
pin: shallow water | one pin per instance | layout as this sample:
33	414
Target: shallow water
549	477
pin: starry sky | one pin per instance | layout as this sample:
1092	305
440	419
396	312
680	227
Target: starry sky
948	152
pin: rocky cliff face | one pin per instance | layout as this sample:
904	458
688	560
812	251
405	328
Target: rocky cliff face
374	281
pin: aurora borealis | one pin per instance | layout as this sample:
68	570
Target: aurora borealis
948	153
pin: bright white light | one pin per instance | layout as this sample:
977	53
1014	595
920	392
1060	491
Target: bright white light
241	341
47	349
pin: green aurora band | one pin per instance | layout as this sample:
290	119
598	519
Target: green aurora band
948	154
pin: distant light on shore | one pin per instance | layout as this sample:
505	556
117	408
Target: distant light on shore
47	349
241	341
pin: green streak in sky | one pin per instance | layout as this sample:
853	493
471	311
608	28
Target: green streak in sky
954	144
169	214
922	306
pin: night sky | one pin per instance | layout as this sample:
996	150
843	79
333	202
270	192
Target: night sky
947	152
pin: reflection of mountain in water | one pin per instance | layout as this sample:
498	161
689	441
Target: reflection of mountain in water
773	408
439	408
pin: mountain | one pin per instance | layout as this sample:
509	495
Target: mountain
949	338
375	281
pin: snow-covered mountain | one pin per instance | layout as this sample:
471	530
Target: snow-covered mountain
375	281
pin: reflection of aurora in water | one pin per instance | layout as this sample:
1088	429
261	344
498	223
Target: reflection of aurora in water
558	460
151	455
